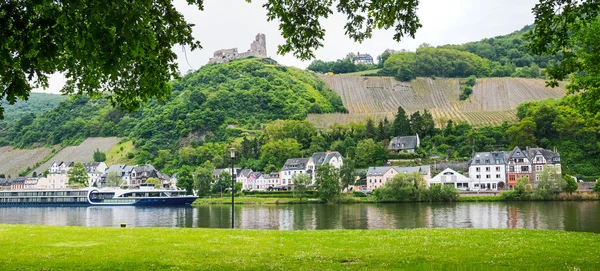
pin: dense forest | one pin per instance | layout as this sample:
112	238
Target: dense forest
36	104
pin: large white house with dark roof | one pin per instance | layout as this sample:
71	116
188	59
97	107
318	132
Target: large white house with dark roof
292	167
333	158
488	171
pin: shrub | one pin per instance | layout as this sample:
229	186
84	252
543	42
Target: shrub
130	155
359	194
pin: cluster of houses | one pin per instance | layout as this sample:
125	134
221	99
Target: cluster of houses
283	180
491	171
58	176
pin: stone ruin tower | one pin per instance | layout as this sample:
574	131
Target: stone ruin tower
258	47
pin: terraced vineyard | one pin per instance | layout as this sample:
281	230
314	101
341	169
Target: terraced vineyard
82	153
493	101
14	160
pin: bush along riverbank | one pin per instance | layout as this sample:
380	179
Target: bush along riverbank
406	188
26	247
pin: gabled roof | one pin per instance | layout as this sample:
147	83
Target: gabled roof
245	172
410	142
321	158
144	168
550	156
517	153
488	158
255	174
295	164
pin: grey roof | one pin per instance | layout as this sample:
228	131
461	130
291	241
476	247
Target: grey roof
255	174
363	56
295	164
517	153
488	158
378	171
91	164
410	142
245	172
144	168
321	158
273	175
550	156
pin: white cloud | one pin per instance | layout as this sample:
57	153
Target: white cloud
234	23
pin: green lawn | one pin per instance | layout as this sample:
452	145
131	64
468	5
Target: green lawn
82	248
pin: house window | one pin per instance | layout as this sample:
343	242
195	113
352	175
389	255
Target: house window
497	176
538	159
487	176
477	169
539	168
519	160
524	168
478	177
511	177
487	161
497	168
487	169
511	169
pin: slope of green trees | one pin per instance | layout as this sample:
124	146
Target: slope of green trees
243	94
37	103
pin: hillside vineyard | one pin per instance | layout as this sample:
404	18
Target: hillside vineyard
493	101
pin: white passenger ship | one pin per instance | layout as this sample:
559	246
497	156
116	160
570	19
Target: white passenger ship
95	197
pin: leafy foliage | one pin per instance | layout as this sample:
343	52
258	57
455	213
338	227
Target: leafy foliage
301	182
411	187
327	183
78	175
99	156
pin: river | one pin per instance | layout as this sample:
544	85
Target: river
568	216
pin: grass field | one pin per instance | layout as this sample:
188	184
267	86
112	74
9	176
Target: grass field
493	101
118	154
83	248
360	73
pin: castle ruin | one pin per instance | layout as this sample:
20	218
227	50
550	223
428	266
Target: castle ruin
258	48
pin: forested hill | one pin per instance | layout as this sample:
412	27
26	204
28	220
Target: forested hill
243	93
37	103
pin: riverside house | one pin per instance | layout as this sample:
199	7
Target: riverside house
378	176
451	177
487	171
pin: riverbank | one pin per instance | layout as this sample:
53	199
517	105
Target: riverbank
350	199
25	247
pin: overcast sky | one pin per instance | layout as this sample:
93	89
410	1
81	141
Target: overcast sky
234	23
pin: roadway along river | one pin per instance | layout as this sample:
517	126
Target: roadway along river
569	216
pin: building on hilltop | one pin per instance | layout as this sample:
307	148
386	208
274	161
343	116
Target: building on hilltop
404	143
363	59
258	48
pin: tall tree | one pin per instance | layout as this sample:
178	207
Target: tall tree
185	178
347	174
78	175
381	131
522	134
113	179
416	123
327	183
401	124
99	156
124	49
370	129
203	177
301	182
427	123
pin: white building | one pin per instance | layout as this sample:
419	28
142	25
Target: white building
95	171
291	168
334	159
488	171
450	177
124	172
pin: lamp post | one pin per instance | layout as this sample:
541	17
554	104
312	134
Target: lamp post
232	152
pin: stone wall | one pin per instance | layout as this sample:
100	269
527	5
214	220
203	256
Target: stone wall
258	48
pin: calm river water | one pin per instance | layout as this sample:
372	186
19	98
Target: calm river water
569	216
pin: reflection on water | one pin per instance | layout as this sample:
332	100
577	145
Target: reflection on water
570	216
